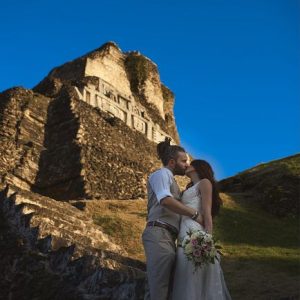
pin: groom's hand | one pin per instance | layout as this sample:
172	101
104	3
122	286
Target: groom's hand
181	209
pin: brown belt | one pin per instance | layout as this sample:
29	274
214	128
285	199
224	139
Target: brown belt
170	228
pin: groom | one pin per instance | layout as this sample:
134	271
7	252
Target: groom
164	210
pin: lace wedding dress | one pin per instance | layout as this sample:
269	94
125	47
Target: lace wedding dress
207	282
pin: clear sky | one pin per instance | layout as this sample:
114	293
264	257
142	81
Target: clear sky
234	66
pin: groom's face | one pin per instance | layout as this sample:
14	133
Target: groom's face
181	164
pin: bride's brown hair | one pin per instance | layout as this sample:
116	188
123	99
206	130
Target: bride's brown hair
204	170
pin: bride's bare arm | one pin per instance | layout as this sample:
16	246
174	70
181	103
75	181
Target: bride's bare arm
205	187
179	208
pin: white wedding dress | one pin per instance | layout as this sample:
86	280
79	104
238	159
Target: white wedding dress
207	282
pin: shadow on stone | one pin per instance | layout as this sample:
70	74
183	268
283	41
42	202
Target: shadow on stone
59	174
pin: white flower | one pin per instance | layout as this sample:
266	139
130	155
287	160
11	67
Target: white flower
188	249
196	234
208	238
185	240
213	252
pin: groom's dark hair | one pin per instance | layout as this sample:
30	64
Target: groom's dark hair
166	151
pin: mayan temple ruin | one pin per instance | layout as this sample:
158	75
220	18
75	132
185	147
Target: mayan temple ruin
88	130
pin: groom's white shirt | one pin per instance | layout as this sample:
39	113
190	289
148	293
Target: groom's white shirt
161	184
161	181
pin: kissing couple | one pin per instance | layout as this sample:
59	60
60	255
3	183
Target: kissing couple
171	214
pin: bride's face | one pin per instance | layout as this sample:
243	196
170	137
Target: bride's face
189	171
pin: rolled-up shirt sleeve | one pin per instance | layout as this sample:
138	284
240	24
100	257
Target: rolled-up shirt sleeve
160	183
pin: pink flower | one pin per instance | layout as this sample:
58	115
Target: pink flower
194	242
197	253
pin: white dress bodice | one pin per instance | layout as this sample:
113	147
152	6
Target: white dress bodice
192	198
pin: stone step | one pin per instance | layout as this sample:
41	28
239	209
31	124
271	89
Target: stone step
47	203
55	212
63	220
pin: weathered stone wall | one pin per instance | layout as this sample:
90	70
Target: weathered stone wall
104	96
108	64
170	123
64	148
116	159
22	125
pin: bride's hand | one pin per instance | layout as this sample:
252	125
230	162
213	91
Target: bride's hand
200	220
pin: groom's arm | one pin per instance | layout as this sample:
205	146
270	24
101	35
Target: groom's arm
160	183
181	209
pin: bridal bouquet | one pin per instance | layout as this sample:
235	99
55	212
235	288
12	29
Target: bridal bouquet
199	247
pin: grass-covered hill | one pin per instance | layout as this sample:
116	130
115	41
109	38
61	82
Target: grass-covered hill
275	185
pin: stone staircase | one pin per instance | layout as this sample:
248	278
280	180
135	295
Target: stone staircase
55	242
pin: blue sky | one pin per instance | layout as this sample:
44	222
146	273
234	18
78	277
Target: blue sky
234	66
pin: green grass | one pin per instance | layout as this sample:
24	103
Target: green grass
261	252
247	224
123	231
290	164
123	221
275	185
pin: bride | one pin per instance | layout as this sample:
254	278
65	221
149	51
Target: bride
207	282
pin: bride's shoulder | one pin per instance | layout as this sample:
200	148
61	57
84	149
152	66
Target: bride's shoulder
191	188
205	184
204	181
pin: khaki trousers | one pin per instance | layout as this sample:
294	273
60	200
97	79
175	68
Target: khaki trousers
160	253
